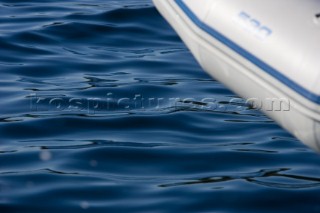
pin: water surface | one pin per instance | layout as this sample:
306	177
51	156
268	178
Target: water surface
104	109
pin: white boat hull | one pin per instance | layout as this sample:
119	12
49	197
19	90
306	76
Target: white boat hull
296	108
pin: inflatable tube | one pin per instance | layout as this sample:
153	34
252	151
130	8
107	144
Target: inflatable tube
265	51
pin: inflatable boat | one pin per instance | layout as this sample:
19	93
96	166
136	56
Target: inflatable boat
265	51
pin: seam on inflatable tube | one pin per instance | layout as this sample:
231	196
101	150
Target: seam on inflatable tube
247	55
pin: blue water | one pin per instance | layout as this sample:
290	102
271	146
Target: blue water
104	109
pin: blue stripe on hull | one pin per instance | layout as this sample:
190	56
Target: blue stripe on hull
247	55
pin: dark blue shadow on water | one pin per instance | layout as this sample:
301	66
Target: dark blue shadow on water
104	109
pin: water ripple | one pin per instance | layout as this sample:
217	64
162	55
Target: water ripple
252	178
104	109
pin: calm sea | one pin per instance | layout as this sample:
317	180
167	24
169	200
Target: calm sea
104	109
